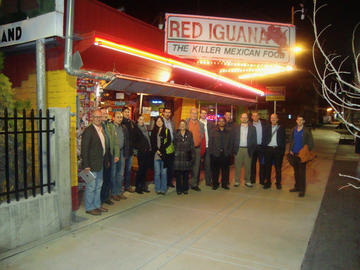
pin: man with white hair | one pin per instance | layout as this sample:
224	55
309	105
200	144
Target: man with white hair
94	155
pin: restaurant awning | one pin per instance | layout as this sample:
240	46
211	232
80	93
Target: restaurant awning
136	85
157	73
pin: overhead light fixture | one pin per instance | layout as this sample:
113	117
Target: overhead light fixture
171	62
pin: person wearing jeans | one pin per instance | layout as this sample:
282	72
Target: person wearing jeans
160	176
92	193
117	178
94	155
160	141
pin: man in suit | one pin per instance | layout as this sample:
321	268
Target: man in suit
208	126
274	141
94	155
244	145
258	154
169	124
197	129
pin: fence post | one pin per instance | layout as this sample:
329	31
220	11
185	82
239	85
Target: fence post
60	163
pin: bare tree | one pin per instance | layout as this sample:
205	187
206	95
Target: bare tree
341	94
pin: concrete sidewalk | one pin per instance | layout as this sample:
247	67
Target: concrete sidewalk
237	229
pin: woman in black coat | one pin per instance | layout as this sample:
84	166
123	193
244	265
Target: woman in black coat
160	140
184	157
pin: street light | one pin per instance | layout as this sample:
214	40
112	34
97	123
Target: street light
302	10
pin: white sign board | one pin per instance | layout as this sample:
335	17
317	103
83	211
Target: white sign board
203	37
43	26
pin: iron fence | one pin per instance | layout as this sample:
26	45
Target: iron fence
25	154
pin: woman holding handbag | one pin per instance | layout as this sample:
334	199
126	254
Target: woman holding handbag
184	157
300	137
161	147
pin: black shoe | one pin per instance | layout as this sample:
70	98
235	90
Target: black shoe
196	188
208	184
294	190
278	186
226	187
266	186
109	202
162	193
178	192
301	194
146	190
170	185
139	191
185	192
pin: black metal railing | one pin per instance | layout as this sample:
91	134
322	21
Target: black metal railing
25	154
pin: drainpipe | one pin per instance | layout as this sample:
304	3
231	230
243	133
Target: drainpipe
69	49
40	75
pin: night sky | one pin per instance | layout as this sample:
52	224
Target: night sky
340	14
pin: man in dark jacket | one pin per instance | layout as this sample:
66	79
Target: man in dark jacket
94	156
244	146
131	126
300	136
169	124
258	154
220	150
274	141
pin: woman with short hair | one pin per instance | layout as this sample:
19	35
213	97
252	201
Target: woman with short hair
184	157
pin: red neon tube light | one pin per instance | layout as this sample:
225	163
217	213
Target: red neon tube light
171	62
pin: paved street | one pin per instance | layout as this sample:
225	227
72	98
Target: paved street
237	229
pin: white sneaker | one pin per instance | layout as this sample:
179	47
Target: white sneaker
249	185
236	184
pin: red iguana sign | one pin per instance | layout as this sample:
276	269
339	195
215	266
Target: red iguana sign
220	38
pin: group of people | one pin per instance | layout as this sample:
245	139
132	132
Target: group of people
108	147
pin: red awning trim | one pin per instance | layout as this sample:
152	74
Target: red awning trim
173	63
138	85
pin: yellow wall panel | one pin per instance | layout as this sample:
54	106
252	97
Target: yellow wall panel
187	104
61	92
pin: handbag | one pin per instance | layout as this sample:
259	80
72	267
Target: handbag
305	154
170	149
